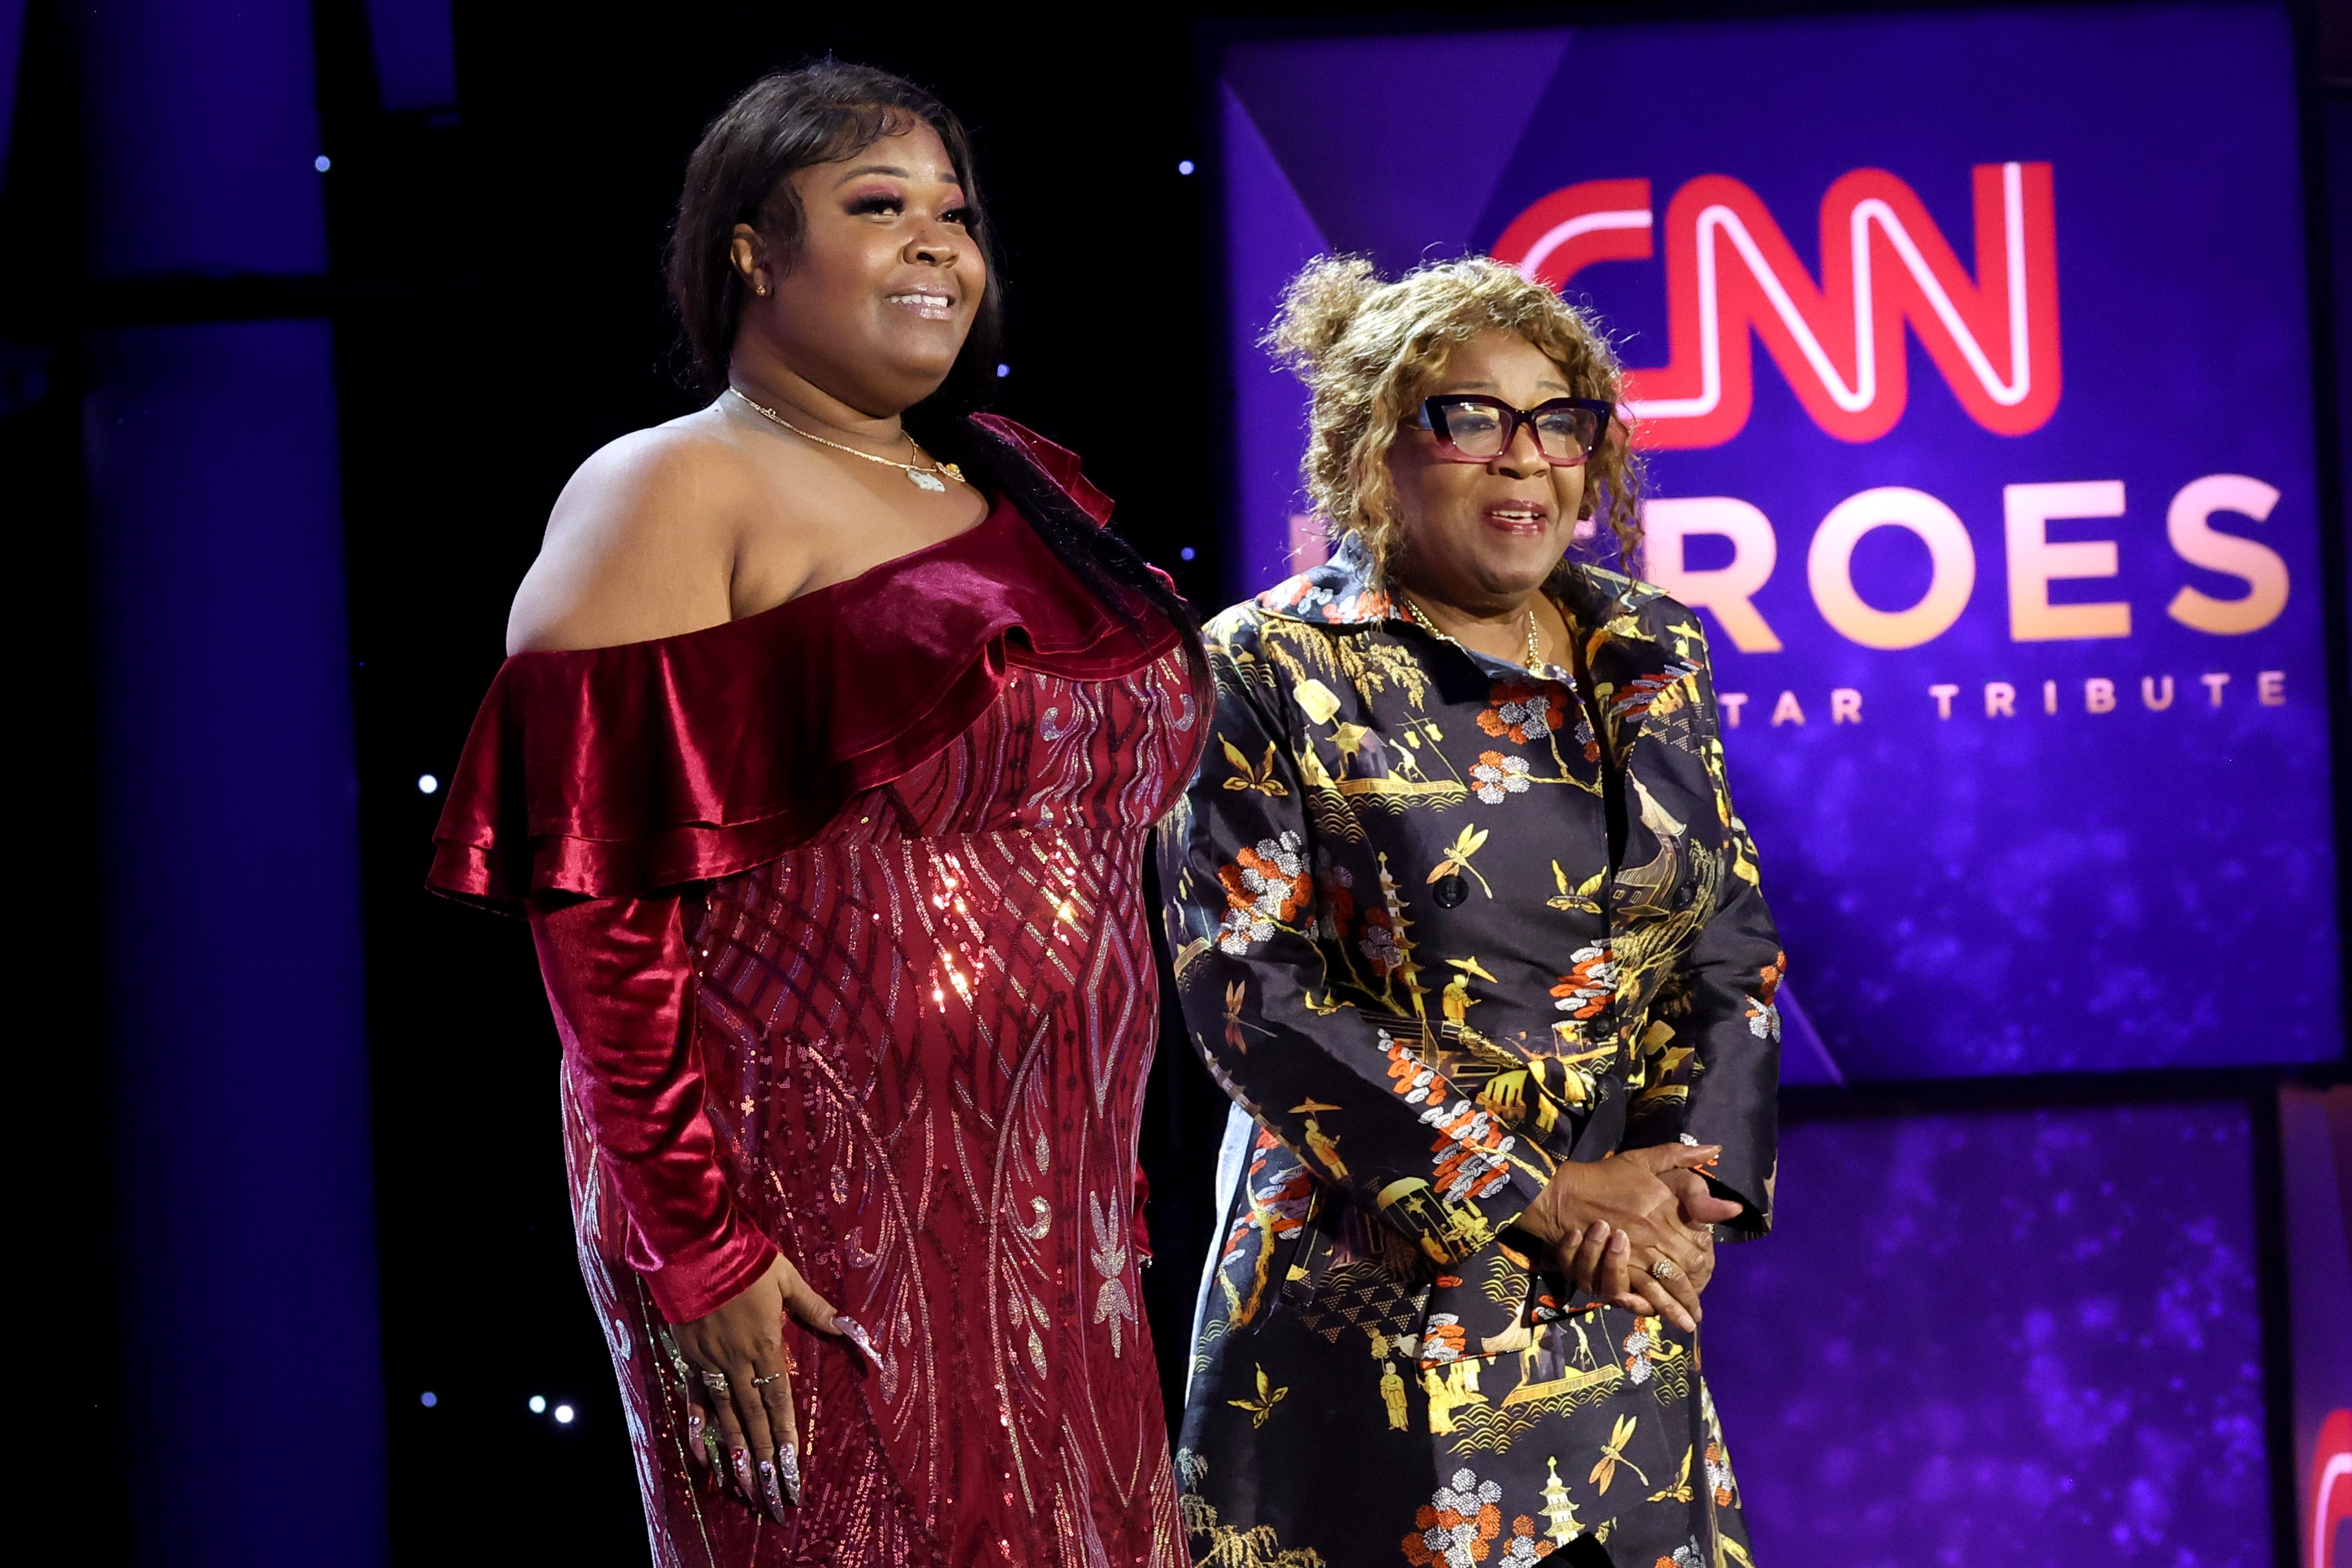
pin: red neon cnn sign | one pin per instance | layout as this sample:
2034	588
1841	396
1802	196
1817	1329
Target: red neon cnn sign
1730	273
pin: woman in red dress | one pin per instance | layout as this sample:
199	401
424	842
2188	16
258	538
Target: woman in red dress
834	730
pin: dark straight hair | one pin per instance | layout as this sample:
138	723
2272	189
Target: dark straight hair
741	171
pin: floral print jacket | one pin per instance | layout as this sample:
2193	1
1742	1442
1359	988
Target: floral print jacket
1440	923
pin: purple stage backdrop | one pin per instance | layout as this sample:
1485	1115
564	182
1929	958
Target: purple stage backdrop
1974	365
2002	1338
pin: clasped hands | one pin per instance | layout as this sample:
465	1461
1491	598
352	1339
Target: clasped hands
1610	1223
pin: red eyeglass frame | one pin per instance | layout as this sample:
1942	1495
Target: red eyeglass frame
1432	420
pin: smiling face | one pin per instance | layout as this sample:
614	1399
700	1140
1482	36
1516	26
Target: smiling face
874	303
1482	536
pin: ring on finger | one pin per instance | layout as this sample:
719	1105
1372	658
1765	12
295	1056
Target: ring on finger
715	1382
1664	1270
763	1381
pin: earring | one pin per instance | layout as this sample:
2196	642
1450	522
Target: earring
762	291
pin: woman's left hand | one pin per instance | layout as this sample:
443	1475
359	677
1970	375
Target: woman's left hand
740	1382
1701	1209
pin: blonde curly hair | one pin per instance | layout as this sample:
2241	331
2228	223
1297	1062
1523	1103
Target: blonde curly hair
1369	351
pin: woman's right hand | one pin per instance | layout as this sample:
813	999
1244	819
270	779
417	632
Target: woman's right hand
1598	1216
740	1382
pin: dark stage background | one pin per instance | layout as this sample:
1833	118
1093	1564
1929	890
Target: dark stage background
495	292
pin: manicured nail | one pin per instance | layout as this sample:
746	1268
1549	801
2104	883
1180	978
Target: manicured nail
850	1330
770	1493
740	1460
788	1460
1619	1245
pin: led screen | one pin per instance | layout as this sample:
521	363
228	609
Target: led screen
2002	1338
1972	364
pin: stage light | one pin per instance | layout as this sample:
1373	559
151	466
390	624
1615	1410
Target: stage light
563	1413
322	163
427	784
1003	372
1184	554
428	1400
1184	166
539	1404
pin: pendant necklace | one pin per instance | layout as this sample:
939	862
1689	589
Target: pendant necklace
922	478
1534	660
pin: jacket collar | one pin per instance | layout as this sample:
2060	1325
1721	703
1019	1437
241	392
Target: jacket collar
1344	591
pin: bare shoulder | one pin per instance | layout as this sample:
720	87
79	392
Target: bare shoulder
641	543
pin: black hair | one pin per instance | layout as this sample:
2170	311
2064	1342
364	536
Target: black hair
741	173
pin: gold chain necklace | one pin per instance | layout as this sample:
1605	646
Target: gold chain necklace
1534	660
923	478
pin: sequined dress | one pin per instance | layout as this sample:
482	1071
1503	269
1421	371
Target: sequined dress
852	963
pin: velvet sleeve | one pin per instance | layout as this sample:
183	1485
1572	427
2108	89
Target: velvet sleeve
619	978
1349	1093
1722	1074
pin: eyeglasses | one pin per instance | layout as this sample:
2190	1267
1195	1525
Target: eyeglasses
1475	429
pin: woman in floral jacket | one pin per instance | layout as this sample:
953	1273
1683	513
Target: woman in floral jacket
1466	925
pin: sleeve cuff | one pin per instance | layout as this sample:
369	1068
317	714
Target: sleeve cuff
1753	1221
702	1278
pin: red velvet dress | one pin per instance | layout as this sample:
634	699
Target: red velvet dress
839	910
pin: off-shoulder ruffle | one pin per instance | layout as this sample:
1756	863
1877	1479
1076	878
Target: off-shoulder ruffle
613	772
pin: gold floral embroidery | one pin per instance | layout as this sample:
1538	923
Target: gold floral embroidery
1258	776
1263	1406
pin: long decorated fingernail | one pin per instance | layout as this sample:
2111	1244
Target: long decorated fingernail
788	1461
769	1492
850	1330
740	1458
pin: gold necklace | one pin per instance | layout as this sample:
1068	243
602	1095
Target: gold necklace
1535	648
923	478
